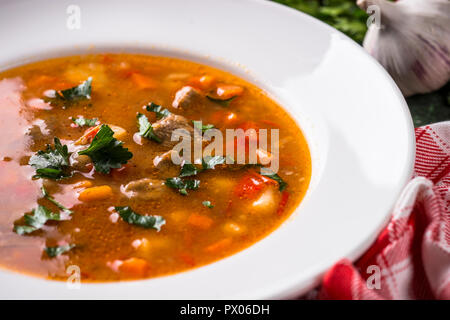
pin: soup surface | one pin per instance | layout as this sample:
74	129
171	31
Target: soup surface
87	177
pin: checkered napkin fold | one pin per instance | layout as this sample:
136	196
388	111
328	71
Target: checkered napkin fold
411	257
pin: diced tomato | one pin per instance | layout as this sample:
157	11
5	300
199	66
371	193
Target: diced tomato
283	202
88	135
135	267
251	185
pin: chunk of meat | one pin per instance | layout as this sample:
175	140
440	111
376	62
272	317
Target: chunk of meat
145	189
163	128
185	97
164	163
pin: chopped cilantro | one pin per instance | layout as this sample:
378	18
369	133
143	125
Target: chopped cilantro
128	215
188	169
106	152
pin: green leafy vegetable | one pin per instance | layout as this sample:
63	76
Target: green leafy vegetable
223	103
272	175
188	169
80	92
83	122
182	185
51	163
146	129
203	127
343	15
159	110
36	220
56	203
210	162
208	204
106	152
56	251
128	215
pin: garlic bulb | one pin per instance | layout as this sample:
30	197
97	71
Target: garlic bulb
412	42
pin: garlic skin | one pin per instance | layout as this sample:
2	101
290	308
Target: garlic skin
412	43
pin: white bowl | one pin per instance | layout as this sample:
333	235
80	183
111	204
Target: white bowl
355	119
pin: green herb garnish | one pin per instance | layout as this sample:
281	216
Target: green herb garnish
207	204
203	127
80	92
51	163
223	103
128	215
146	129
106	152
188	169
210	162
56	251
36	220
56	203
182	185
159	110
272	175
83	122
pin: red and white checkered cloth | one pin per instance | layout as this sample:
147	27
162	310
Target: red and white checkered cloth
411	257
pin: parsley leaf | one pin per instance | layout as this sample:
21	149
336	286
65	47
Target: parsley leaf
145	128
128	215
36	220
56	251
210	162
188	169
203	127
160	112
56	203
80	92
83	122
223	103
272	175
207	204
106	152
182	185
51	163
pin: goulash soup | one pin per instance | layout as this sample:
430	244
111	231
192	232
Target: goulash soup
92	174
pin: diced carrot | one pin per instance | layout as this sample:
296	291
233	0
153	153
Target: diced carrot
219	245
200	221
205	82
223	118
283	202
95	193
135	267
88	135
143	82
227	91
83	184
